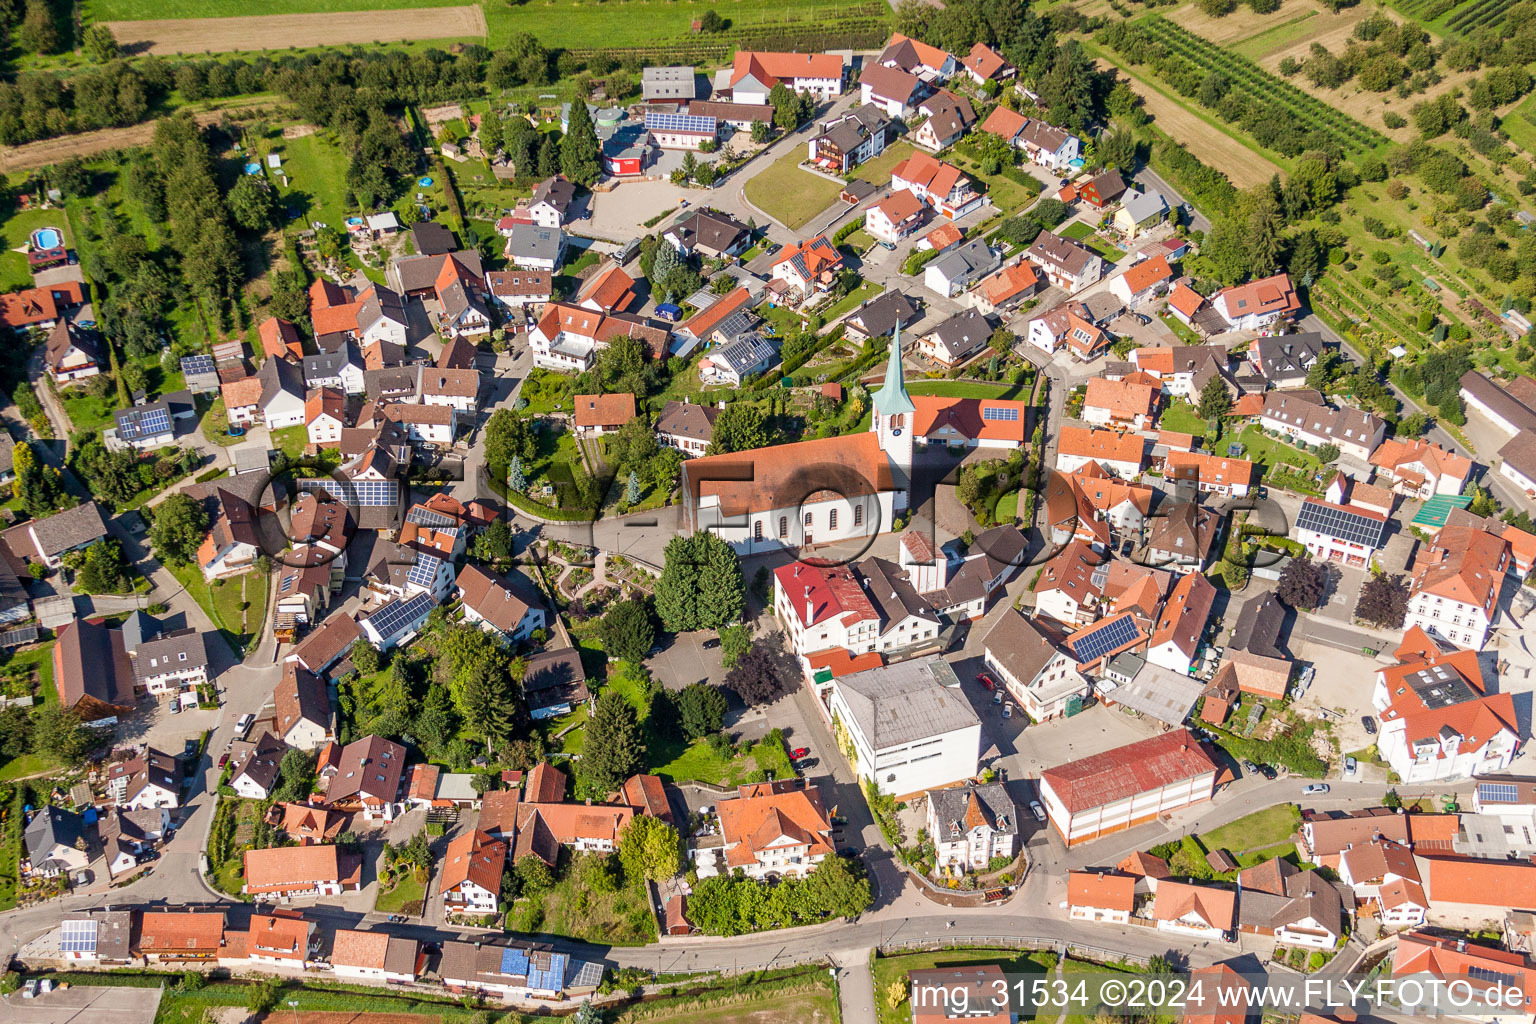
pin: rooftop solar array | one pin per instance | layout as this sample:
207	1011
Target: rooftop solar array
149	421
77	937
423	516
1109	635
999	412
514	961
547	979
1340	524
424	572
17	637
1497	792
680	123
363	493
398	615
198	363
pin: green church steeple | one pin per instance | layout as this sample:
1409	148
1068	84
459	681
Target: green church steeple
892	398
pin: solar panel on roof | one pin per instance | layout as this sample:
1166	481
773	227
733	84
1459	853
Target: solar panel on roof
77	937
397	615
1104	639
1497	792
424	571
17	637
551	978
197	364
680	123
422	516
363	493
1493	977
994	412
1341	524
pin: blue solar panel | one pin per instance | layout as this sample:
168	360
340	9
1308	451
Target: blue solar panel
680	123
514	961
424	571
197	364
77	937
994	412
1496	792
423	516
550	979
397	616
1105	638
1340	524
17	637
363	493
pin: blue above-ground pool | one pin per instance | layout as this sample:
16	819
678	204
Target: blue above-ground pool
355	222
47	238
253	168
425	182
1079	163
235	431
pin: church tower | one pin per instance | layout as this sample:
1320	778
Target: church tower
893	412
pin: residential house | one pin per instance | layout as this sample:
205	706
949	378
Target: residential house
1122	404
1211	474
1042	143
306	824
1005	289
895	217
470	882
1175	642
1126	786
889	89
1199	911
946	119
1354	432
769	829
173	662
55	842
340	367
596	415
282	937
941	185
1142	282
1258	305
1070	325
517	290
531	247
128	835
553	201
149	780
171	936
364	775
1384	877
958	339
1036	672
687	427
1100	896
325	415
285	872
1185	370
505	607
1140	211
837	607
327	645
946	994
984	64
517	971
958	423
710	234
958	269
1297	907
374	955
753	74
928	63
92	672
943	238
281	399
881	315
1338	532
970	825
681	131
423	424
1284	360
890	713
1454	592
1184	540
554	683
1067	264
744	356
807	268
568	337
1103	191
1487	982
253	770
397	623
1421	469
302	715
73	529
1122	454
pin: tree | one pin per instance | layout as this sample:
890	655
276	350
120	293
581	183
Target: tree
760	132
252	203
534	875
1215	400
103	570
1383	601
549	155
627	630
1327	453
711	21
494	544
365	657
734	642
786	107
1002	340
515	479
837	889
507	435
100	45
1413	425
1303	583
39	31
580	155
178	528
295	777
490	132
650	849
701	708
58	732
614	749
700	585
758	677
740	427
1117	149
40	486
632	488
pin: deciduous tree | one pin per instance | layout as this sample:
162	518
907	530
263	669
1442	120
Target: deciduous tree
179	526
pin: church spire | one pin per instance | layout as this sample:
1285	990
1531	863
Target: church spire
892	398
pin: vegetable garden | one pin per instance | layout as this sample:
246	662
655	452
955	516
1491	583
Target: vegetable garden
1261	85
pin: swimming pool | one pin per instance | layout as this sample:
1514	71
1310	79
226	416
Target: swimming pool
425	182
47	238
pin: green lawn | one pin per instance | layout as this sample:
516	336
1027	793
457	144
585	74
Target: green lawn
1274	37
619	918
291	440
221	602
23	765
10	849
878	170
1077	231
86	412
1181	417
1007	508
16	233
1269	827
969	389
750	1008
215	426
406	890
789	195
864	292
317	178
1269	453
1177	326
1106	250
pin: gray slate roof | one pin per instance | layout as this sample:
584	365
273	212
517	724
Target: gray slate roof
906	702
71	528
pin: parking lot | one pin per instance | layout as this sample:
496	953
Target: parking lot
78	1003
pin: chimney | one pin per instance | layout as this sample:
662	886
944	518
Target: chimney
810	611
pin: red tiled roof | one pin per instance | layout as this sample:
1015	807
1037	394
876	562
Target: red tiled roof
1148	273
1101	890
604	410
1127	771
770	68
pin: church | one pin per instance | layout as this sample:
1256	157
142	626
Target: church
806	494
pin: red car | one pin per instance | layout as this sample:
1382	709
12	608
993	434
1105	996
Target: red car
224	760
799	752
986	680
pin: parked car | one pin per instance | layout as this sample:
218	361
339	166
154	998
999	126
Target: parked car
848	851
711	643
1266	771
838	819
244	723
799	752
1037	810
888	246
986	681
1369	723
807	764
1350	767
224	759
1249	766
1008	710
1314	789
997	697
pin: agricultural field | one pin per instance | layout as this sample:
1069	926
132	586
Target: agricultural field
173	36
